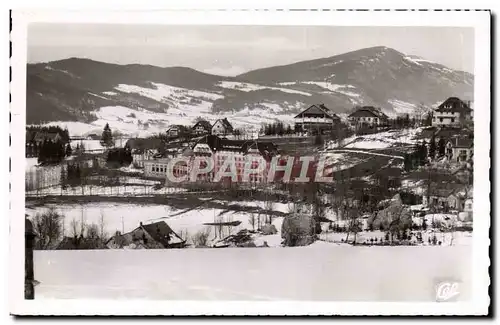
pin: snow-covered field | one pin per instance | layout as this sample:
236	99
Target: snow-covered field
322	271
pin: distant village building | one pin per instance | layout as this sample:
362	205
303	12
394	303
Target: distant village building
452	112
316	117
202	127
222	127
174	131
218	150
460	149
143	149
367	116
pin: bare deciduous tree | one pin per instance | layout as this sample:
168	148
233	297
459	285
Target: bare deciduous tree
200	239
252	220
48	226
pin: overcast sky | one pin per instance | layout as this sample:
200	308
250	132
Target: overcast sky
230	50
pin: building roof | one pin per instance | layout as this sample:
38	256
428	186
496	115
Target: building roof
454	105
319	109
143	144
160	232
266	148
368	111
226	124
450	132
203	123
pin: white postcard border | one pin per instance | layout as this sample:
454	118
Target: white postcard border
480	20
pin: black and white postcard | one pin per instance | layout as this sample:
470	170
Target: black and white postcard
250	162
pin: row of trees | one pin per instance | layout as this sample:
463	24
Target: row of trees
277	128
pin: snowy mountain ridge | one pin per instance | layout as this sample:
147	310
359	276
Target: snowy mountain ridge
141	99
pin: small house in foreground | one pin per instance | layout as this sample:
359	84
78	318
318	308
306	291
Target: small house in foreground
150	236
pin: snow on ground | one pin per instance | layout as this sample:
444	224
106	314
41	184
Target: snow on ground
368	145
163	93
334	87
402	107
320	272
382	140
246	87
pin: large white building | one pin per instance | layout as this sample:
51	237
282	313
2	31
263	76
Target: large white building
452	112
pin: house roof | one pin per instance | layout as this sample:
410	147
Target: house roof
449	132
454	105
142	144
368	111
225	123
160	232
319	109
203	123
266	148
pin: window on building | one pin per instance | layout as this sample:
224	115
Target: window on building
441	119
452	120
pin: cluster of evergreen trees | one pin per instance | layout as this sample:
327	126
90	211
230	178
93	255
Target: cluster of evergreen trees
119	156
423	152
277	128
52	152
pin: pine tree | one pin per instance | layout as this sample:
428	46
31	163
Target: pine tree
432	147
441	147
107	137
69	151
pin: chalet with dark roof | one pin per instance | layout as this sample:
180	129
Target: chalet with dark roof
148	236
452	111
222	127
202	127
315	117
367	116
